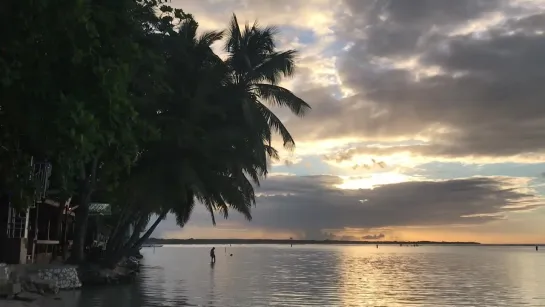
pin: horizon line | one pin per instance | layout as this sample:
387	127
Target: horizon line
287	241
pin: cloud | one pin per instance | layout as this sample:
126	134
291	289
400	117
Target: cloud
314	203
314	207
405	83
463	78
374	237
317	14
422	153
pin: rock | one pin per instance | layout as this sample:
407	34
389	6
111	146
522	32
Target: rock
4	278
4	272
28	296
46	286
64	277
10	289
34	284
9	286
96	275
29	287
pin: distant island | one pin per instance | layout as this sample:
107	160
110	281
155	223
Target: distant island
298	242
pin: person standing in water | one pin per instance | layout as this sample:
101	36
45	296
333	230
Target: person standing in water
213	255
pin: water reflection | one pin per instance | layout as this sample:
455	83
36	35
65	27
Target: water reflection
212	280
331	276
425	279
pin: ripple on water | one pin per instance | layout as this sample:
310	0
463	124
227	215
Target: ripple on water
332	276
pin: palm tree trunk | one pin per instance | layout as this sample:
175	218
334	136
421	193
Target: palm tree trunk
63	206
82	220
117	236
120	222
87	182
119	250
138	227
148	233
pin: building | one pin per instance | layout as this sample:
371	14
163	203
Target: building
33	234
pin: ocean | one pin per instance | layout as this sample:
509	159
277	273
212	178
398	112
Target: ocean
329	275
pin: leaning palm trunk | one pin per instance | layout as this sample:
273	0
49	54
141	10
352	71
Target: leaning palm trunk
149	232
122	248
121	226
118	235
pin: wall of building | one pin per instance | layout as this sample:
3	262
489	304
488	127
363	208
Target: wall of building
13	251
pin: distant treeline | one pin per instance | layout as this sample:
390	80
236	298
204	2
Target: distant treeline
274	241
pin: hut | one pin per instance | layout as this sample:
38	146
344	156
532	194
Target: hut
34	233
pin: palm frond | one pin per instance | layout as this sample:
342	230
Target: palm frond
260	41
281	97
182	210
233	42
188	30
275	66
275	123
272	152
209	38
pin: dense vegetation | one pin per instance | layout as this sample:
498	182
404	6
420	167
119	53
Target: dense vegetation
131	106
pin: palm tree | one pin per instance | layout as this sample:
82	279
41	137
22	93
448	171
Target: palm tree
256	68
205	152
208	149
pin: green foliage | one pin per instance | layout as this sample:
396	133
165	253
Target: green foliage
67	67
131	105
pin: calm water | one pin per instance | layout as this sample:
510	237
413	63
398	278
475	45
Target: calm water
331	276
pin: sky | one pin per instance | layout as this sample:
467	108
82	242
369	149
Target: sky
427	122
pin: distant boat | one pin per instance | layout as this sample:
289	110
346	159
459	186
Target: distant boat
152	245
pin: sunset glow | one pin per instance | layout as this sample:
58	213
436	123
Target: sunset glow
421	127
372	181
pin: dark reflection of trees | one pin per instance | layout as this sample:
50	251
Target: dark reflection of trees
149	290
109	296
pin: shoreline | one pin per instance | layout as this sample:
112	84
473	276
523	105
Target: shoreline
154	241
54	285
158	242
39	302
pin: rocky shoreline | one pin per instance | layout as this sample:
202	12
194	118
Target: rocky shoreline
33	300
39	285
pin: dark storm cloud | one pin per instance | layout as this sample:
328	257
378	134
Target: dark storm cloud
374	237
470	93
398	27
403	204
422	13
312	206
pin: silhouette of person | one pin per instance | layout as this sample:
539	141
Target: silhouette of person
213	255
537	248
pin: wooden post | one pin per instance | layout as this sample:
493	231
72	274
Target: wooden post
35	239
